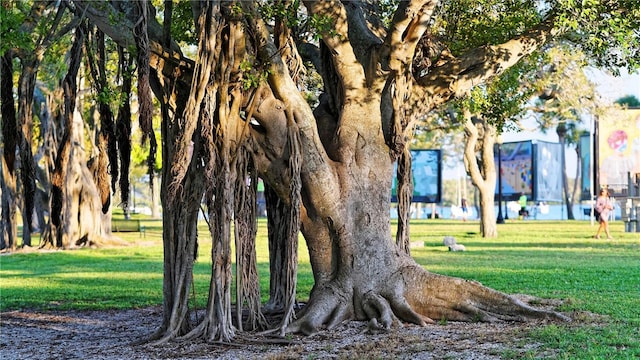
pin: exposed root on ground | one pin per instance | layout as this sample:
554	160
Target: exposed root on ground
442	297
416	296
329	306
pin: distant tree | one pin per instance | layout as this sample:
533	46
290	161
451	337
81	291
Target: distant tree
629	101
564	95
60	184
28	32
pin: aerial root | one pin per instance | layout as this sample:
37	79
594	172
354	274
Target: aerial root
162	338
204	330
479	314
489	305
416	296
159	333
195	332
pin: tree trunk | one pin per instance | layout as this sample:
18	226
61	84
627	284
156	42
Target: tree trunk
205	142
76	216
8	220
51	132
27	84
561	130
81	209
247	280
339	156
8	224
368	277
577	178
179	232
44	156
480	165
404	193
282	267
155	200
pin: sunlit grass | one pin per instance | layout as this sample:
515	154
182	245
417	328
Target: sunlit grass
548	259
554	260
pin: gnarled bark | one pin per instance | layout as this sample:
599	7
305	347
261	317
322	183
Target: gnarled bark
76	216
346	147
359	272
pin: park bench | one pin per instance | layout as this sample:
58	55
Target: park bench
127	225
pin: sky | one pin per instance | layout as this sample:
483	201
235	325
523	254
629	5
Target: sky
610	89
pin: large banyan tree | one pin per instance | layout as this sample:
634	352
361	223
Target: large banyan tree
237	111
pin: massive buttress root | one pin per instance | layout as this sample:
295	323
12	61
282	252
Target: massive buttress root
412	294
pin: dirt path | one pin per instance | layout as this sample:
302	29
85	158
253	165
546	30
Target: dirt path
108	335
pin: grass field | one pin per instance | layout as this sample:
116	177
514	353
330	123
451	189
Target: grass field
548	259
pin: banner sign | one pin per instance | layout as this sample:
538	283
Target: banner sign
517	169
426	167
547	171
618	148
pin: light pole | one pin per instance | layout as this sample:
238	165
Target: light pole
500	219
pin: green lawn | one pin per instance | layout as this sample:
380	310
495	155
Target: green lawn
549	259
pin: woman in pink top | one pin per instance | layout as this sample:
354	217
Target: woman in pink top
603	206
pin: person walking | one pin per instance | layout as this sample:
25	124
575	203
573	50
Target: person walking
463	205
523	213
603	207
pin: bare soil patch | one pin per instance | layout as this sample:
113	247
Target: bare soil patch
110	335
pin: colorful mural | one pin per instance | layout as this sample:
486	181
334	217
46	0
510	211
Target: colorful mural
619	148
517	174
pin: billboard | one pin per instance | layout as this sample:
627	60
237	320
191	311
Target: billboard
426	169
516	168
530	168
618	148
548	172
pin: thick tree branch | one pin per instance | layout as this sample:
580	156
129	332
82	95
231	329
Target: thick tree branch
316	168
349	70
365	34
409	24
168	61
410	21
456	77
121	31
